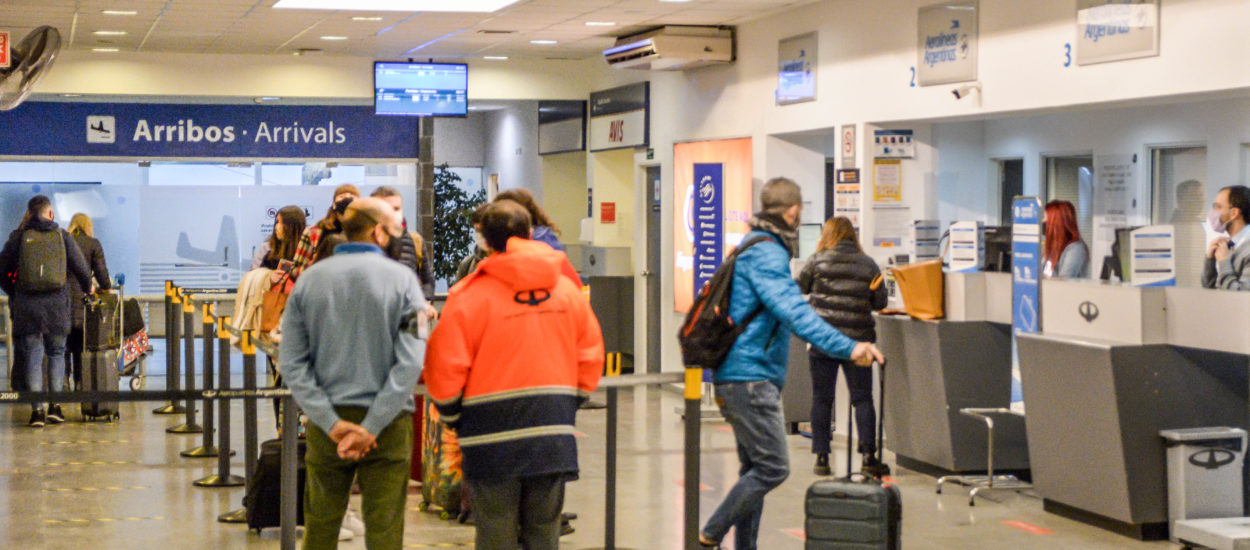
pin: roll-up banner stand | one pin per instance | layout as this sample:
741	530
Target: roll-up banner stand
1026	268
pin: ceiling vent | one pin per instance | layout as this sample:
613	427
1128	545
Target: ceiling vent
673	48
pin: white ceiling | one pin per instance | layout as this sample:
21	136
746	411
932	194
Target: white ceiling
254	26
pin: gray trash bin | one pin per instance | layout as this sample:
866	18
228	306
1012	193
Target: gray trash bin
1204	473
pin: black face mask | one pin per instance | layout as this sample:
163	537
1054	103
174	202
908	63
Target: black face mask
341	206
394	248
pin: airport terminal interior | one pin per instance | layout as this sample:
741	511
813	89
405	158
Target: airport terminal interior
1108	396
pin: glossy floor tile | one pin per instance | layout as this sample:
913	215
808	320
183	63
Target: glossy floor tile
123	485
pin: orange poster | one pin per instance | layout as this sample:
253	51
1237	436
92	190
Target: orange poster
735	157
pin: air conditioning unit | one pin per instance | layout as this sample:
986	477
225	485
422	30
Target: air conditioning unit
672	48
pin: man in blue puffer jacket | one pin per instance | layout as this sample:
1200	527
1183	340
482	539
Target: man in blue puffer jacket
748	383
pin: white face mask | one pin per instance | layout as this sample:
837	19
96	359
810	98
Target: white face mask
480	241
1215	223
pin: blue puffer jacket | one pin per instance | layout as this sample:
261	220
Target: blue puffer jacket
762	276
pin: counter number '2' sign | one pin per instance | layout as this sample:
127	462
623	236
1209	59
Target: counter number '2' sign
4	50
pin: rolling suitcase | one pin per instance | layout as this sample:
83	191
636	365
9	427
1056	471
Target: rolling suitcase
263	500
102	326
854	513
100	374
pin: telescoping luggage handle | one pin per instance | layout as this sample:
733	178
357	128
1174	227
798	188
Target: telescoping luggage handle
850	425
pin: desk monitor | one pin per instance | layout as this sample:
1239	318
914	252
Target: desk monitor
998	248
421	89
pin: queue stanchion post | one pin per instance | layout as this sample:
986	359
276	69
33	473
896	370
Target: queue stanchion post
188	340
251	444
289	493
248	346
206	448
223	477
612	368
171	351
693	423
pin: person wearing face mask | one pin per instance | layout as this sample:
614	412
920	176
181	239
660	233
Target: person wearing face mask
354	342
410	250
480	249
308	249
748	383
1225	267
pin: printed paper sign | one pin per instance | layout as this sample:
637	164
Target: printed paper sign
967	247
1153	256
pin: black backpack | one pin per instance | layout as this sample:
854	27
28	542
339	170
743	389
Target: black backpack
709	332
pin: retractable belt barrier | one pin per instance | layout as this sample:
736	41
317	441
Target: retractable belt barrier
181	307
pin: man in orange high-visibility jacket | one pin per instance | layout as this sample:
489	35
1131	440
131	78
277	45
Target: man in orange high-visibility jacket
516	349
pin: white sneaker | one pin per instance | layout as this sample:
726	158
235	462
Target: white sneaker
352	522
346	534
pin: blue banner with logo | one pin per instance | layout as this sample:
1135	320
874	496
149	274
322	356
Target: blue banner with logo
1026	270
709	216
172	131
1026	263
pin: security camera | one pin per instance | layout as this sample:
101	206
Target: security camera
966	90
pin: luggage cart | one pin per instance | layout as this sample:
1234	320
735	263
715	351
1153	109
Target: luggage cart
135	346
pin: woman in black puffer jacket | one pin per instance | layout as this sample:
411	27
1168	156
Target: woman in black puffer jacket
837	281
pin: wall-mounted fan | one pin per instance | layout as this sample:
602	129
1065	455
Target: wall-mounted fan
29	59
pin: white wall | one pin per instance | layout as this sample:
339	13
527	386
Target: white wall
460	141
512	147
866	50
287	76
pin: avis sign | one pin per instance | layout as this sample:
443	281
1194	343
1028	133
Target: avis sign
4	50
619	117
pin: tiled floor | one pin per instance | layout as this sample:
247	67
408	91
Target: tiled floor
123	485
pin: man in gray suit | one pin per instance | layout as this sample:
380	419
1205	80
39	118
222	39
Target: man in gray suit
1227	258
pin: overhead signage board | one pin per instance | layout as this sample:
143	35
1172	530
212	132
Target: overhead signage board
5	48
561	126
620	117
796	69
848	146
1114	30
946	50
147	131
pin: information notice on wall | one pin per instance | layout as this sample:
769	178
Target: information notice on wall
847	195
1153	257
1113	202
887	181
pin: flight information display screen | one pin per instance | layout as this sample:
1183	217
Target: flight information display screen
420	89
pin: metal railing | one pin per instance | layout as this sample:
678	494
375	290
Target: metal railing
182	400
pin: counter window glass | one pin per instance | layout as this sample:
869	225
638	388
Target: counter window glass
1179	198
1072	179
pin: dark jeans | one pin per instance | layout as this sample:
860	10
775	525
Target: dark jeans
525	509
754	411
824	382
35	346
73	347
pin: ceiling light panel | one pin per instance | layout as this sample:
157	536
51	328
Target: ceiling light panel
477	6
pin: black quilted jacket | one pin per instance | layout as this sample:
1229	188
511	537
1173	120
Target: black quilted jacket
837	284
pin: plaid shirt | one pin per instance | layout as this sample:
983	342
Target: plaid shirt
305	251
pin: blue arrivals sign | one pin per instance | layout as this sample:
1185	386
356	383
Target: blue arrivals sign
153	131
709	216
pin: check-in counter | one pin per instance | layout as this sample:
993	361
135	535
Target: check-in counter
1114	366
938	367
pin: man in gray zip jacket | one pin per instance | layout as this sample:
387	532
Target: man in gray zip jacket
1225	267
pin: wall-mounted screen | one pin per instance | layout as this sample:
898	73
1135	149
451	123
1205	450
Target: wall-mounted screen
420	89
